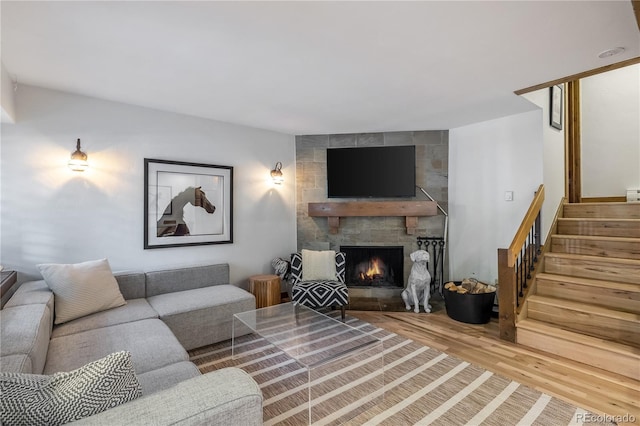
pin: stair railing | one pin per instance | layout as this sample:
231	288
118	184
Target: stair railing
515	267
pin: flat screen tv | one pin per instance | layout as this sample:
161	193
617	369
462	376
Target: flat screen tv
371	172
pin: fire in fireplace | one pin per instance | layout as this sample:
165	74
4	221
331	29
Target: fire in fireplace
374	266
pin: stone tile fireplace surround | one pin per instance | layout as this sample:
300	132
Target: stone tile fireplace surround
432	150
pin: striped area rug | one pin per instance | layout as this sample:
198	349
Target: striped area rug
422	386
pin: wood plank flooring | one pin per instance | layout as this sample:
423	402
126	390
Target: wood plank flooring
587	387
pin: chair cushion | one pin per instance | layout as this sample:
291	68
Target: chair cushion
318	294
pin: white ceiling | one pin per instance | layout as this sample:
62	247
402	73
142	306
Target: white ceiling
314	67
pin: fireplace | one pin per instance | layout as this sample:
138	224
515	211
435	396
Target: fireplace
374	266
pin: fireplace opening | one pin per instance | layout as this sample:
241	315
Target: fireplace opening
374	266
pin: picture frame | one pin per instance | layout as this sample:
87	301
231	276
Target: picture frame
555	106
187	204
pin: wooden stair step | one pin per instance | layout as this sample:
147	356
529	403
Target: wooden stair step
592	320
619	210
599	227
600	353
621	296
594	267
626	248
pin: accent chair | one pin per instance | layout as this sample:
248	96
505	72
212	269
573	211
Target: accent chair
319	291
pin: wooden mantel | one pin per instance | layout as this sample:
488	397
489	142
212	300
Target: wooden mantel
411	210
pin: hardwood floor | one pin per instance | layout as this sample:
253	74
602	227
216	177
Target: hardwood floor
593	389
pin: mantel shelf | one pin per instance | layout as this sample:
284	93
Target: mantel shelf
410	210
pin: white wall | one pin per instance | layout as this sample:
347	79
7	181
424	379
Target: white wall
553	158
51	214
610	132
7	98
485	160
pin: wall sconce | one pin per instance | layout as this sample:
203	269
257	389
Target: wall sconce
78	161
276	174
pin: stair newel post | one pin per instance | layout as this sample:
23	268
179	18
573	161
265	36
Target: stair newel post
507	296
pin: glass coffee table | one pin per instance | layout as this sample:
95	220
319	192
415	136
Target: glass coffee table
344	365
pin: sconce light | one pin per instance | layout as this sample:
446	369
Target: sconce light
276	174
78	161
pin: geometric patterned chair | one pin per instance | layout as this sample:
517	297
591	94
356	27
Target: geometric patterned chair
319	293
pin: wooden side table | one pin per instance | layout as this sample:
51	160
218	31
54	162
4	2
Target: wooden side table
266	289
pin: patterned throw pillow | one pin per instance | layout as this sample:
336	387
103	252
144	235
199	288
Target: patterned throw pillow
31	399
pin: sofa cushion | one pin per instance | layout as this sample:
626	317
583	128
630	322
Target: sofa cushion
151	343
31	293
17	363
25	330
65	397
202	316
223	397
132	284
169	281
165	377
134	310
81	289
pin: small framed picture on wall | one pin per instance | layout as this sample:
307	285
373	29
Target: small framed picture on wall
555	107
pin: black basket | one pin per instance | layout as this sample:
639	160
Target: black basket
469	308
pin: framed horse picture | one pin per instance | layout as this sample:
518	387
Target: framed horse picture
187	204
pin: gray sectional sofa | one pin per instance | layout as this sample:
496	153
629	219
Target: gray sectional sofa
167	313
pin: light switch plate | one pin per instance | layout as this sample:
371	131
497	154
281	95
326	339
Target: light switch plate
508	196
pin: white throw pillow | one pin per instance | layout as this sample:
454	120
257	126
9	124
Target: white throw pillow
81	289
32	399
318	265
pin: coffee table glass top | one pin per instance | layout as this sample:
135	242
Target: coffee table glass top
309	337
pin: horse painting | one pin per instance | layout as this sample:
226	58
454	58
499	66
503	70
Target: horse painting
172	223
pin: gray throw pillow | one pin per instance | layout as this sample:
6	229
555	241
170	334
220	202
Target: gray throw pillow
32	399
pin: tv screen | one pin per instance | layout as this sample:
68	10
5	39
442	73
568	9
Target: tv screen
382	172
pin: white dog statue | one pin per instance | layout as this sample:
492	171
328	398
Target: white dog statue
419	285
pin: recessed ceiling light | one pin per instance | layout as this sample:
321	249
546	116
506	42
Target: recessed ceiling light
611	52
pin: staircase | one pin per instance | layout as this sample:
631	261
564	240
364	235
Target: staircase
585	301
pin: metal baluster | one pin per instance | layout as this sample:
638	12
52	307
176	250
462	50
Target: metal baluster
529	258
538	234
532	251
522	267
517	286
